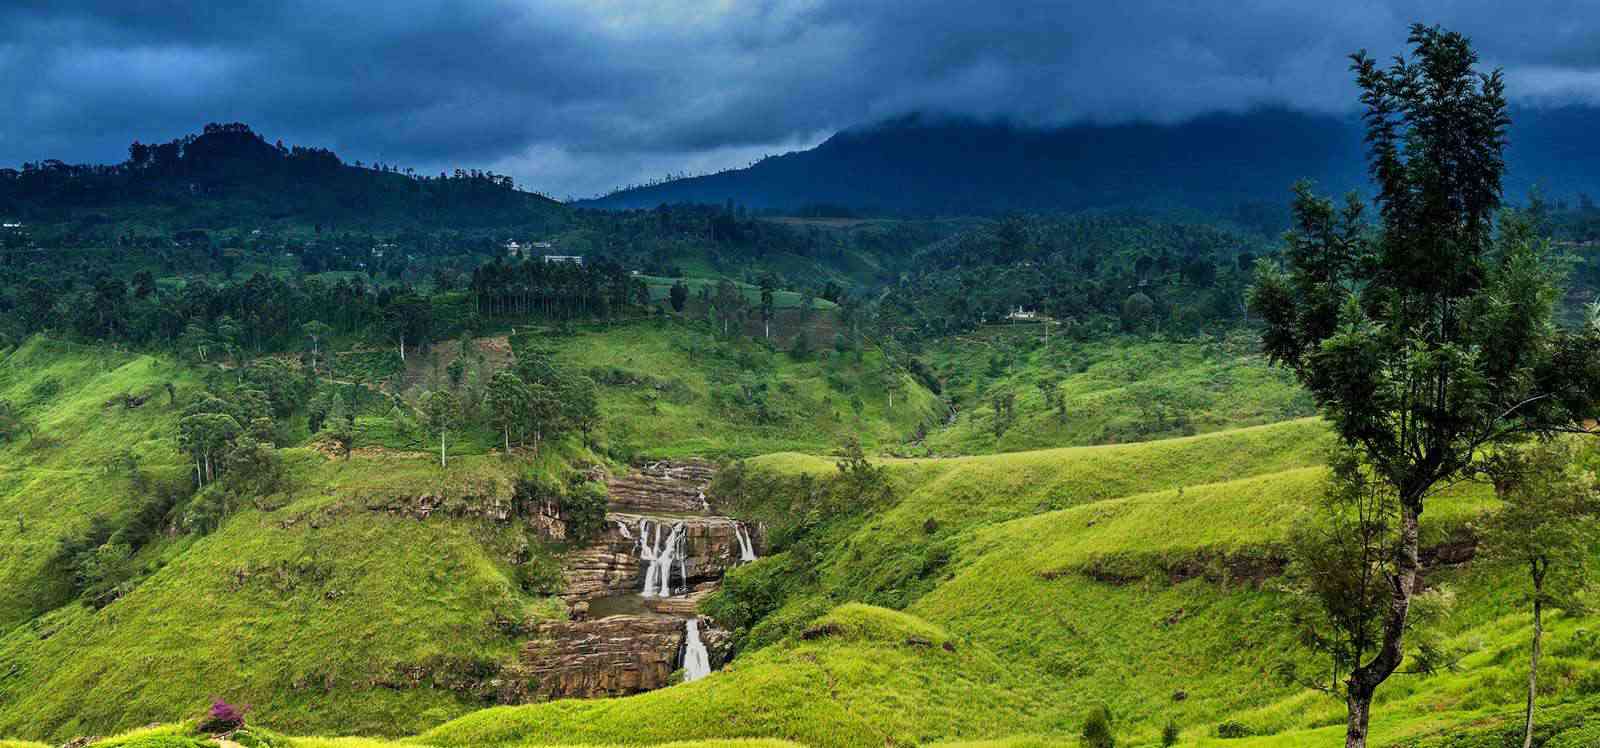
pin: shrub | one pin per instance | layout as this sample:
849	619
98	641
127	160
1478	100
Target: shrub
44	389
222	717
1233	729
540	575
1169	735
1097	728
583	508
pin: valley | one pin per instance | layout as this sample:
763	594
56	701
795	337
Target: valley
1045	394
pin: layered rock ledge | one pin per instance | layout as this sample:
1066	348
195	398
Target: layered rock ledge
612	656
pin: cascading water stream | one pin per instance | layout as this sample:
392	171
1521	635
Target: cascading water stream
660	552
747	551
696	662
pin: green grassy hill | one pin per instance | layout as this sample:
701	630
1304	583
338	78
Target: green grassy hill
1137	576
328	604
53	483
672	388
985	598
1101	391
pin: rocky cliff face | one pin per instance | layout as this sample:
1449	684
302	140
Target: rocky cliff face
613	656
611	565
641	643
671	487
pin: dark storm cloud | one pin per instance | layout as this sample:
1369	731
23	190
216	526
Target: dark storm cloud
573	97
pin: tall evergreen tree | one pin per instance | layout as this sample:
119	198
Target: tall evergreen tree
1433	341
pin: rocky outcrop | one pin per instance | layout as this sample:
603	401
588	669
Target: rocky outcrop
662	487
613	656
619	641
610	565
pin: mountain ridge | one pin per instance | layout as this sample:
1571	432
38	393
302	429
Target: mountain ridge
919	164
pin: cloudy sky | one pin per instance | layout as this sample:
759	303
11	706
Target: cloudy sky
575	97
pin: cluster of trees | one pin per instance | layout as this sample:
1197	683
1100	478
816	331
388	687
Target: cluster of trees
556	290
211	322
1100	273
533	399
232	173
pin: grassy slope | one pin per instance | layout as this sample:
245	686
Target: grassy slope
1133	389
862	684
1035	639
307	605
1018	593
317	613
696	408
302	606
52	483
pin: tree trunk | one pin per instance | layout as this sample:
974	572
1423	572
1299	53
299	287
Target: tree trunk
441	449
1359	712
1533	669
402	349
508	440
1365	679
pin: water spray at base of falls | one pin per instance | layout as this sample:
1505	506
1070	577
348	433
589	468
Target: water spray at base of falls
696	662
659	552
747	551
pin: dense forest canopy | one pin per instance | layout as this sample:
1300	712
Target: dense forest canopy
230	176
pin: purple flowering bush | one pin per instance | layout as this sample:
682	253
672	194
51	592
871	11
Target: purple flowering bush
223	717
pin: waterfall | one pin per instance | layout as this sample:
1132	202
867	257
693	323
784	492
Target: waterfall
660	552
623	526
705	506
696	663
747	551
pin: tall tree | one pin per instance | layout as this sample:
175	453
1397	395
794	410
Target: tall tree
507	402
678	296
1434	340
768	285
315	331
1545	523
542	415
440	413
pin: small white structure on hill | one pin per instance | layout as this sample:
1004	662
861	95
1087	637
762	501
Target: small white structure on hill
1020	315
574	259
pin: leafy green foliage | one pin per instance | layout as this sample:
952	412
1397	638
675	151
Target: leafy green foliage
1433	342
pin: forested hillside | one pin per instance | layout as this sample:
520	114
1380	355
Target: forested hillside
229	176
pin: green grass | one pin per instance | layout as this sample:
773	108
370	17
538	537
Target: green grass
1133	389
329	606
671	388
995	600
1031	540
53	482
333	612
876	683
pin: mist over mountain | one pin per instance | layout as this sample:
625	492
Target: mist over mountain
926	165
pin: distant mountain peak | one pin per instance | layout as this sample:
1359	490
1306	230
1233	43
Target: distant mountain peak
928	163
